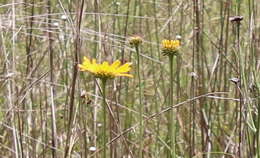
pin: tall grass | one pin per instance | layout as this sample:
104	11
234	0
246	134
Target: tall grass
49	109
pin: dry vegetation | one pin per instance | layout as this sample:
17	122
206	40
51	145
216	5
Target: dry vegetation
48	108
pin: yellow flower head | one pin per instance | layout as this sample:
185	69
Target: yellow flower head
135	40
104	70
170	47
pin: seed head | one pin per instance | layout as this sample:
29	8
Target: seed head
135	40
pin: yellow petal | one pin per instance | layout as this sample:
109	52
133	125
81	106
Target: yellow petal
116	64
124	68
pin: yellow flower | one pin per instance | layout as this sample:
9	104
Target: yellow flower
170	47
104	70
135	40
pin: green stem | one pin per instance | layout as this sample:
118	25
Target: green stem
171	129
141	105
104	139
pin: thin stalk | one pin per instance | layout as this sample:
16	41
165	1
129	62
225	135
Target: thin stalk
96	10
169	15
124	33
113	127
238	2
171	124
129	116
104	138
240	96
124	43
95	50
140	15
53	109
155	88
140	102
161	78
253	44
134	13
74	77
156	25
11	68
193	87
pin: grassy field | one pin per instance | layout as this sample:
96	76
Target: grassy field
201	102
